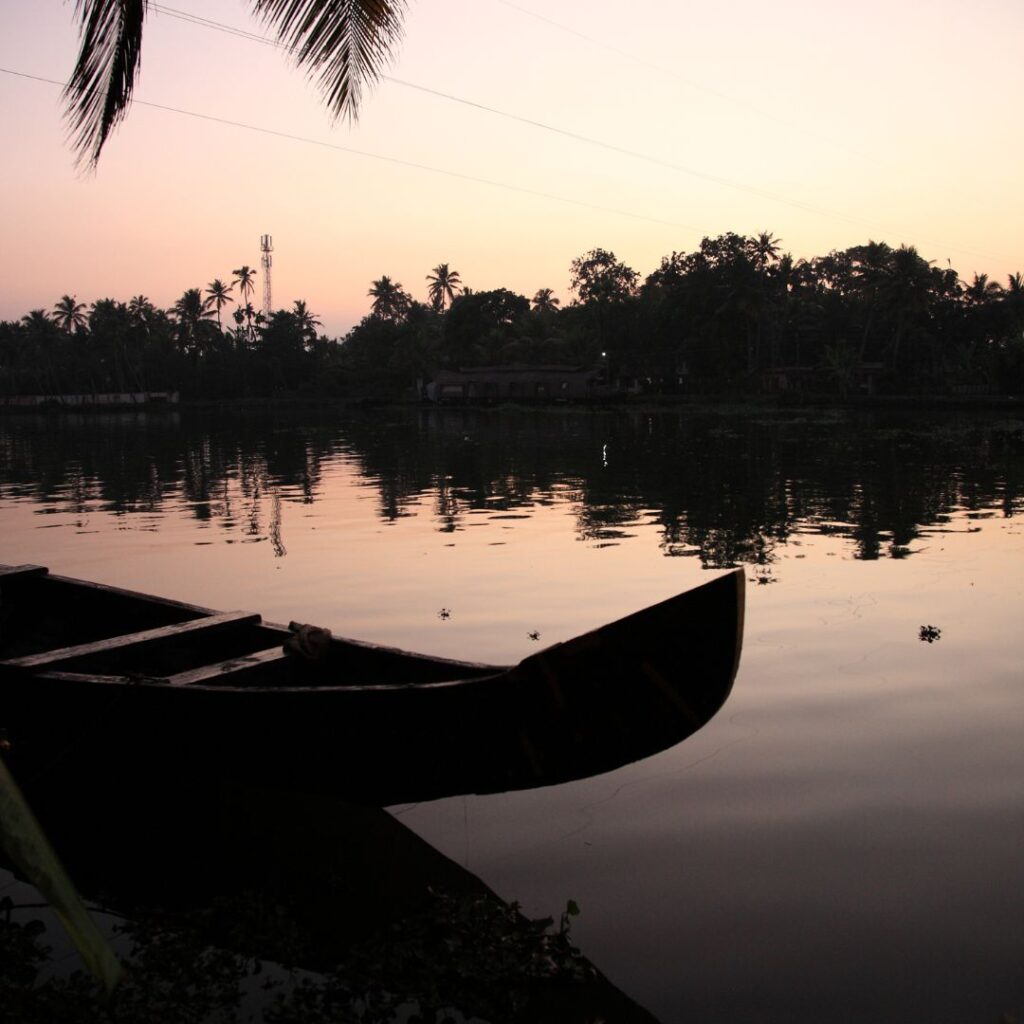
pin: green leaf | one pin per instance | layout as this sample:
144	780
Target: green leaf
26	844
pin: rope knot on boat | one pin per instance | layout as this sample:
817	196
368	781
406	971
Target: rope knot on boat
311	643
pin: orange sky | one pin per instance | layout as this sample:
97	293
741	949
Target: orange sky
823	123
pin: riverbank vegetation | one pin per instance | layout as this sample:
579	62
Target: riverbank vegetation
736	315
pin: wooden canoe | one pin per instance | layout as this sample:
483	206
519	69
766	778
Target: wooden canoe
134	684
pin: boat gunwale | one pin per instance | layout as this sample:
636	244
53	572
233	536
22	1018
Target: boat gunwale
204	612
483	673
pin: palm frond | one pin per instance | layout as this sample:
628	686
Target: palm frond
342	44
100	89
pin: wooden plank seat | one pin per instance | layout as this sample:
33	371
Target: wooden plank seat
178	632
233	671
230	672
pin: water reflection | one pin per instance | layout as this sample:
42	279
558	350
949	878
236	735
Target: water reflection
215	882
854	807
725	489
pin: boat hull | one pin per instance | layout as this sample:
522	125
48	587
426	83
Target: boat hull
372	724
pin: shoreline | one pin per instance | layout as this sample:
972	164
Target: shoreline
730	401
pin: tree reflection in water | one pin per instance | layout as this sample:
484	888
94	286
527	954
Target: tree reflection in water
724	487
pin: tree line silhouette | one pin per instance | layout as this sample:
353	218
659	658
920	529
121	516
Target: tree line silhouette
735	315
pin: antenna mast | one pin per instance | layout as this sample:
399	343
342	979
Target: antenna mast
266	247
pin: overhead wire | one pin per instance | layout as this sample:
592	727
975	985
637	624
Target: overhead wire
531	122
244	34
375	156
761	113
724	182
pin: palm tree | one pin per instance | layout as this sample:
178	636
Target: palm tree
390	301
308	322
763	250
906	292
545	301
218	295
69	315
245	278
190	308
870	271
191	313
444	284
982	290
1013	303
245	314
43	339
344	44
36	320
142	311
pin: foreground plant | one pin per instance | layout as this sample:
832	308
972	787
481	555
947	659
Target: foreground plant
26	844
468	955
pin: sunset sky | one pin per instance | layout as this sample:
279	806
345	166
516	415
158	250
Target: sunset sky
822	122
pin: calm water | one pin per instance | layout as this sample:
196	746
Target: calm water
844	840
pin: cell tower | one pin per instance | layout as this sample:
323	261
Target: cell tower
266	247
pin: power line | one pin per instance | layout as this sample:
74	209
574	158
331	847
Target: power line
378	156
759	112
588	140
554	129
219	26
622	150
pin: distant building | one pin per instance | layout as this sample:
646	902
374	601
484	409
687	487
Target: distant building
520	383
862	379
